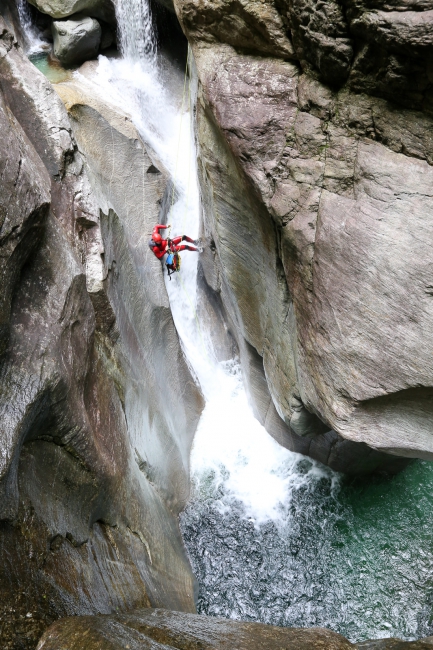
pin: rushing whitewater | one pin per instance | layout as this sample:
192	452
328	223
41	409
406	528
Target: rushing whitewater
272	536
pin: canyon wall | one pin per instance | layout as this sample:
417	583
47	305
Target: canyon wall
314	126
95	441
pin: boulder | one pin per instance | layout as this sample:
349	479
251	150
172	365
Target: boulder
76	40
160	629
103	9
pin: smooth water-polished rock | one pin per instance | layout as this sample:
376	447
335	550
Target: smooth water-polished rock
160	629
255	110
76	40
93	463
103	9
24	204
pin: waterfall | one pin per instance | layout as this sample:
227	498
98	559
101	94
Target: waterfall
136	34
33	41
25	16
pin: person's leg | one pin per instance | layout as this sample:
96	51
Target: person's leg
184	247
186	238
176	240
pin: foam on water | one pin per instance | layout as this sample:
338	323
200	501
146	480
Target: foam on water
137	88
230	444
233	457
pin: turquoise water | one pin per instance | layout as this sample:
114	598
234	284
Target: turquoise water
354	556
53	71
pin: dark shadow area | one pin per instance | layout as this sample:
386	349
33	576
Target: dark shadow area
171	40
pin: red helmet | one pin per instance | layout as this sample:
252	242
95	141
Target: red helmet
157	239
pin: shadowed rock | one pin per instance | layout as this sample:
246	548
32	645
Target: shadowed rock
321	38
24	203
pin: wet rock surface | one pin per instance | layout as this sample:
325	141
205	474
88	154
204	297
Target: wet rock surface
103	9
93	470
161	629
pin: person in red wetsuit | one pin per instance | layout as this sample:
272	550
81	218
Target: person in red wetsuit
160	246
157	244
174	244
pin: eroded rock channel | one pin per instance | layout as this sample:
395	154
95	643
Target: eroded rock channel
294	138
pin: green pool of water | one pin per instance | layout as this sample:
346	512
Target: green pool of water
383	539
356	556
53	71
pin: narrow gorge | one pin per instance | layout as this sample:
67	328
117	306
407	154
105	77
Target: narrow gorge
238	455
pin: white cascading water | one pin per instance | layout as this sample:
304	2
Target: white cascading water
33	41
272	536
135	30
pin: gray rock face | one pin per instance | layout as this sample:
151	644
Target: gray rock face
381	48
93	467
318	209
103	9
395	51
76	40
321	38
24	203
161	629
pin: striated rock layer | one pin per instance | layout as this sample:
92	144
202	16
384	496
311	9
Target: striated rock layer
314	127
94	466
